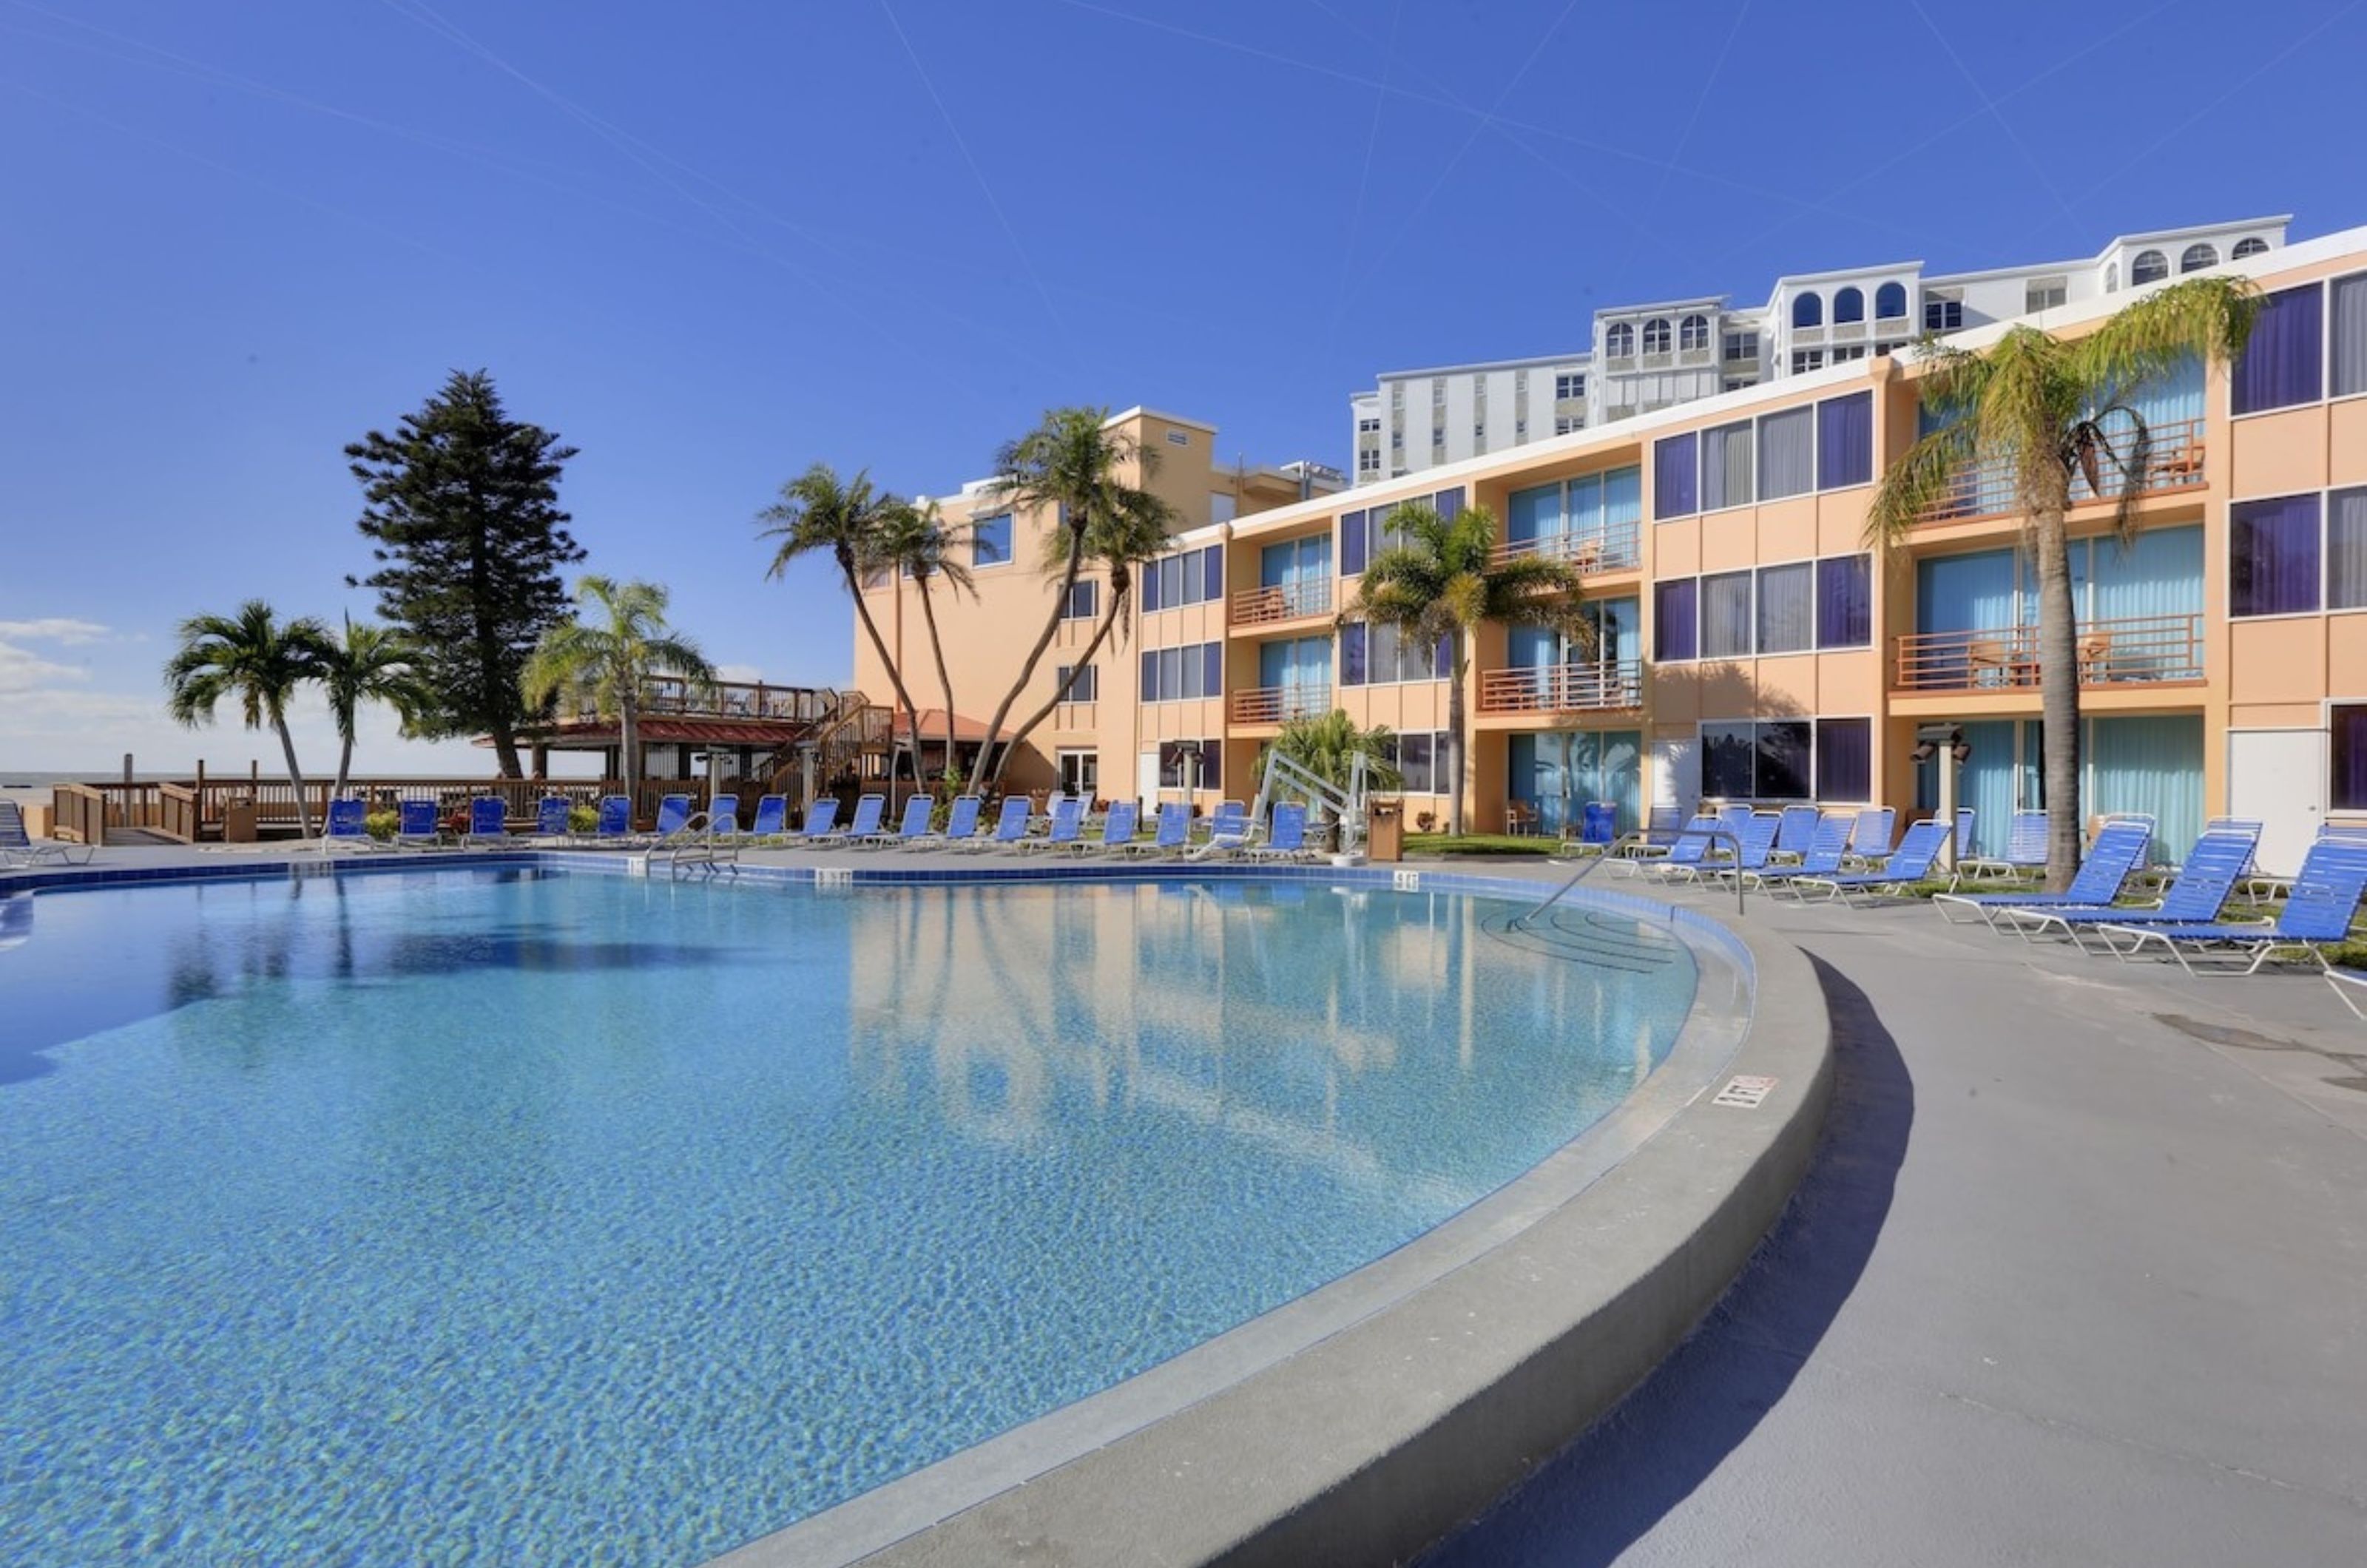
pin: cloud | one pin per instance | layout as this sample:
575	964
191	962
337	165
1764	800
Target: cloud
56	628
25	673
746	674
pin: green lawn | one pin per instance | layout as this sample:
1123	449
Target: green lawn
1426	844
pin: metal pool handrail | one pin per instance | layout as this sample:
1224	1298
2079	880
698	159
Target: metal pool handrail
1628	840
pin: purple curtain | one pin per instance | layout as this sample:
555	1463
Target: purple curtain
1844	759
1212	668
1151	693
1448	504
1352	640
1441	663
1845	601
1675	477
1845	441
1352	544
2272	549
2350	758
1212	581
1676	625
2282	363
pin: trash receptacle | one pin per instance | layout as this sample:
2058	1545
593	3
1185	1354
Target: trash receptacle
238	822
1385	830
1597	825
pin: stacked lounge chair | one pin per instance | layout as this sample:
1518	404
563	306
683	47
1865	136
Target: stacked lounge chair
961	827
1909	863
2203	885
914	827
2025	853
1686	857
2119	849
1820	861
2316	916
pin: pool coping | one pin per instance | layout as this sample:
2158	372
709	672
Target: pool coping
1380	1437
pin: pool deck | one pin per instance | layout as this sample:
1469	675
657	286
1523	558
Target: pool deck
2078	1274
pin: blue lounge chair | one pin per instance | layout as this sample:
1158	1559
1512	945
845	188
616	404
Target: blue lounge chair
911	827
868	810
2025	852
1755	841
822	826
1228	831
674	815
347	827
2346	981
1686	856
1285	836
550	815
1794	831
18	848
723	817
1822	861
489	822
1068	822
1118	828
2119	849
2213	868
1870	839
772	818
1910	862
418	825
1598	829
1662	826
961	826
1174	831
614	822
1010	826
2316	915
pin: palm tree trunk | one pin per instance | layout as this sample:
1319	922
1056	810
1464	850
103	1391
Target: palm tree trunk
295	775
1035	656
1455	740
1060	691
944	681
628	742
879	646
2058	692
345	763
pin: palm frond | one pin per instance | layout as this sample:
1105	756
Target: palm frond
1923	477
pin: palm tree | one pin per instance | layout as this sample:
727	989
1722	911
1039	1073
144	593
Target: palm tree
1326	745
915	541
2044	408
249	655
1438	582
817	514
1074	462
373	664
606	661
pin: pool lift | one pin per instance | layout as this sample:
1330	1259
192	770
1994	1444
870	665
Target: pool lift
1347	805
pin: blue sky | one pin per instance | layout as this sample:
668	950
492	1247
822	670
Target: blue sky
711	243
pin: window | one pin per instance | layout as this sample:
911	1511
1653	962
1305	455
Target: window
1081	773
1369	462
2250	247
1806	359
2045	293
1369	426
1438	391
2350	335
989	541
1420	757
2349	723
1178	438
2112	277
1726	615
1620	341
1844	759
1849	305
2273	556
1791	608
1564	424
2283	362
1177	674
2346	550
1372	654
2198	256
1396	394
1809	311
1787	454
1083	601
1397	440
1845	601
1890	302
1656	336
1845	441
1725	467
1570	386
1787	608
1943	313
1742	346
1772	760
1191	764
1480	434
1673	487
1192	577
1692	332
1847	352
1364	534
2150	266
1674	623
1088	687
1735	383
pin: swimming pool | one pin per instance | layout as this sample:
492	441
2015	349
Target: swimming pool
500	1216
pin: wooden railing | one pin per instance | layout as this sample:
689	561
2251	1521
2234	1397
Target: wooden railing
1985	487
1272	705
2137	648
733	699
1283	601
1563	688
1611	547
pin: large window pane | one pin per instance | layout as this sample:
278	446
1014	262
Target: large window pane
1212	668
1845	441
1354	643
1787	455
1726	615
2348	344
1844	759
1675	624
1725	467
1352	544
1151	693
1783	761
990	541
1415	751
2346	550
2273	556
1212	571
1787	608
1728	759
1845	601
2281	363
1673	480
2349	723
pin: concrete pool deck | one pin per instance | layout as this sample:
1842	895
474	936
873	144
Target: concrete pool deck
2078	1273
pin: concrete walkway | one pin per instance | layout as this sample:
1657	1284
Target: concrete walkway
2079	1276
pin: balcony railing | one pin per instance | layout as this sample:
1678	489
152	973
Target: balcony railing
1985	487
1283	601
1563	688
1272	705
730	699
1611	548
2136	649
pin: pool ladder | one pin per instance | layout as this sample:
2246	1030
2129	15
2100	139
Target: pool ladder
694	846
1627	842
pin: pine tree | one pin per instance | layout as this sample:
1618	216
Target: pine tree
462	506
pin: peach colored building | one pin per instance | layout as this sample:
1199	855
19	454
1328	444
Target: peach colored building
1751	645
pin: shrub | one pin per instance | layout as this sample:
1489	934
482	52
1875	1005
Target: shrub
1425	821
381	825
583	819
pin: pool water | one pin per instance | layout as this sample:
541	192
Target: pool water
499	1216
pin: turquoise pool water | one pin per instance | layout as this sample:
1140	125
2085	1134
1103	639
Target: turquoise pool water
512	1217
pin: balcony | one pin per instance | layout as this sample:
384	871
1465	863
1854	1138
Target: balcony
1611	547
1285	601
727	699
1272	705
1985	487
1563	688
2136	649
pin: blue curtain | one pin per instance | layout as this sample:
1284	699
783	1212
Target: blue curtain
1599	765
1966	593
1845	441
2284	360
1675	477
1618	629
1533	648
1989	782
1533	514
2152	764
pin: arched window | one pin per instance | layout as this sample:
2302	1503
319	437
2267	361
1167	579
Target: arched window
1809	311
1619	342
1692	332
2251	246
2112	277
2151	266
1656	336
2197	257
1890	302
1849	305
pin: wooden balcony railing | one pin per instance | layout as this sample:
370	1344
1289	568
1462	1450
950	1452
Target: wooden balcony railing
733	699
1283	601
2138	647
1272	705
1985	487
1563	688
1608	548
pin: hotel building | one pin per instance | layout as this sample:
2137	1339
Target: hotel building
1751	644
